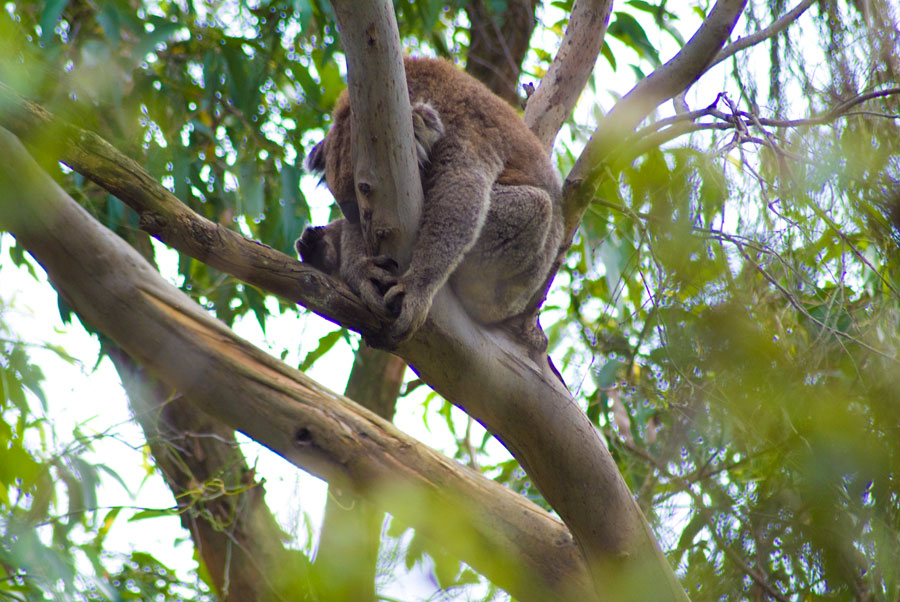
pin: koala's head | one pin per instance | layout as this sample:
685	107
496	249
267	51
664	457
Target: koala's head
333	158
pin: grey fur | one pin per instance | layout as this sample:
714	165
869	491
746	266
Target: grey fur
491	222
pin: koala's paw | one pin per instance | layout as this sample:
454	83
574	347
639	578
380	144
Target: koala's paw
427	130
372	277
320	247
409	308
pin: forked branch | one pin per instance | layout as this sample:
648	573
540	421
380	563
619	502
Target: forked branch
674	76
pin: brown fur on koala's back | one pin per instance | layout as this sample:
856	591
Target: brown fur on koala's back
469	110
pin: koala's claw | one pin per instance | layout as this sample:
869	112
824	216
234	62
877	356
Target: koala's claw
409	311
393	299
374	277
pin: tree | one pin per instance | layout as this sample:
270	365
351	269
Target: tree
732	267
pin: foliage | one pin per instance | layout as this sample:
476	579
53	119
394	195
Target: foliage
736	302
728	314
52	534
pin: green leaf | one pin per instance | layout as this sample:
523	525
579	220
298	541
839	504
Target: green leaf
17	254
627	29
108	17
446	568
161	33
65	312
606	376
50	16
325	344
152	513
238	80
304	11
257	303
310	87
112	473
294	209
252	200
607	53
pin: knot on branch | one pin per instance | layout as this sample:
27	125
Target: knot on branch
153	223
303	437
371	37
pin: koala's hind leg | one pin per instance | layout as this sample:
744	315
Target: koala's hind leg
510	261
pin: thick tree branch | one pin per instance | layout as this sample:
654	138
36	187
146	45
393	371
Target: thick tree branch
233	531
347	555
165	217
112	287
553	101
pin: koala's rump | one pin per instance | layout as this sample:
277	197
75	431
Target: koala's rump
499	276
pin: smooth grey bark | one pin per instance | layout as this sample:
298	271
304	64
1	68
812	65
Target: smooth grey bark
553	101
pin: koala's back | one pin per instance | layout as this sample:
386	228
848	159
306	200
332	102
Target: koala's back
469	111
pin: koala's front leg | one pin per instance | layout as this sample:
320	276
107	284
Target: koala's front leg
457	196
369	277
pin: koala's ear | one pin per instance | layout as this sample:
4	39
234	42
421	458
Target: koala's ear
315	160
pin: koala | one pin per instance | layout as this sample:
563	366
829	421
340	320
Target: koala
491	223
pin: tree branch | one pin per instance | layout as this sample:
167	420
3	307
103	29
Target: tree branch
165	217
347	554
674	76
764	34
111	286
481	370
553	101
235	534
665	130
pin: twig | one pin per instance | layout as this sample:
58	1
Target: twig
793	301
764	34
757	576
